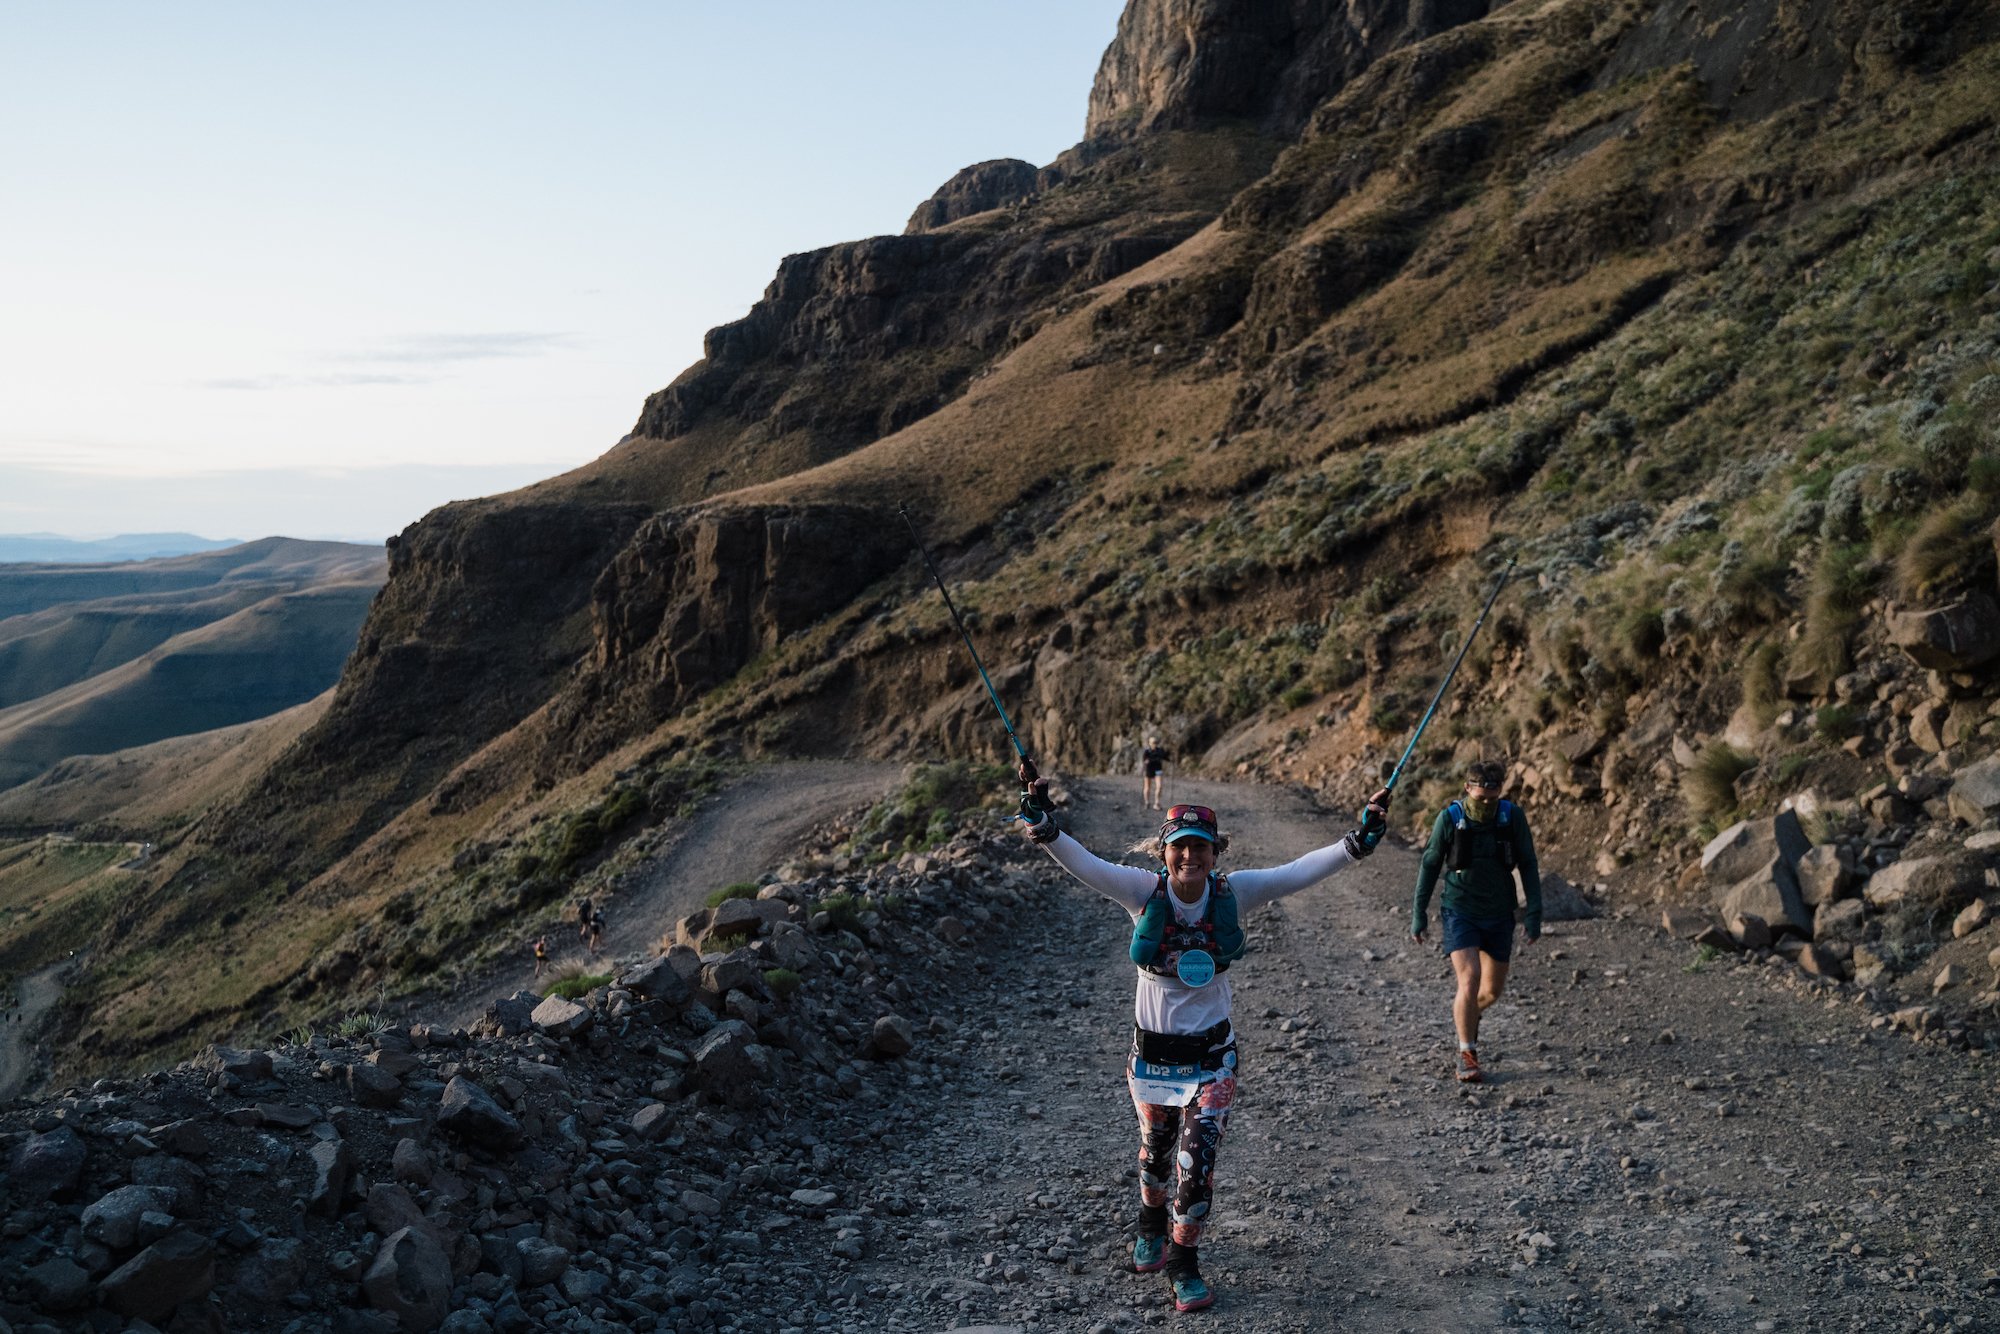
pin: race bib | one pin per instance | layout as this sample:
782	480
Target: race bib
1165	1085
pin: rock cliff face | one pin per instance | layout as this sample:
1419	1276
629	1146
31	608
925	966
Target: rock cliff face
1179	63
482	617
694	596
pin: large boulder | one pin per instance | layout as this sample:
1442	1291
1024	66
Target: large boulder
1825	875
333	1164
371	1085
561	1017
410	1279
177	1268
1748	845
891	1037
513	1014
470	1112
658	979
46	1166
738	970
1952	638
1843	920
248	1066
1562	901
724	1065
1975	791
114	1219
1771	892
271	1271
1947	881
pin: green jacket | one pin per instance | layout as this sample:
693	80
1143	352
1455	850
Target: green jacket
1483	889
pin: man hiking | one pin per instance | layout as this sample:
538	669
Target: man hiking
1479	843
1186	931
1152	761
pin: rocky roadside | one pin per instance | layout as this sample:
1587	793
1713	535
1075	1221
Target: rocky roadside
930	1130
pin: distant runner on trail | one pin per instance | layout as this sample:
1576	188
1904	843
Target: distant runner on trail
1479	843
541	953
1152	760
1186	931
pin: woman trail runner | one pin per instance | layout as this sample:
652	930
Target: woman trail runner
1182	1071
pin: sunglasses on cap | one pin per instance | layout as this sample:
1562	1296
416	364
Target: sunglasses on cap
1201	814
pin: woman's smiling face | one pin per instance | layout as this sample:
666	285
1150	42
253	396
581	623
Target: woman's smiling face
1189	860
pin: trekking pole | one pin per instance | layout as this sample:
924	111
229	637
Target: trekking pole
1449	673
1033	806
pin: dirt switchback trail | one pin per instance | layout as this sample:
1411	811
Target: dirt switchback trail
751	825
1660	1147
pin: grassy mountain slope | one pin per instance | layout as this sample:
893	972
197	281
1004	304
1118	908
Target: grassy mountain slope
1690	308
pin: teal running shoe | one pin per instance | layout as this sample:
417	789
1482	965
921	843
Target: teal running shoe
1191	1292
1149	1255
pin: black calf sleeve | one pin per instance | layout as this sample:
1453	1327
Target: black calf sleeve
1182	1260
1152	1220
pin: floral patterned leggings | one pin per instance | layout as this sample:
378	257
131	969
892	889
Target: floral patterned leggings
1177	1146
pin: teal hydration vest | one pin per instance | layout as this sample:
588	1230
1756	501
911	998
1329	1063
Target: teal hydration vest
1159	938
1487	841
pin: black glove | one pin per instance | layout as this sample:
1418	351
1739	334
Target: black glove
1374	823
1037	811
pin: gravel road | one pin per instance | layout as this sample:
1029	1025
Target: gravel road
1662	1146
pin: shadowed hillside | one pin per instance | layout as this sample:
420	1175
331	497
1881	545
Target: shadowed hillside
98	658
1222	423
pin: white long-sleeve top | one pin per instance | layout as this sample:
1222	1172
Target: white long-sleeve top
1167	1004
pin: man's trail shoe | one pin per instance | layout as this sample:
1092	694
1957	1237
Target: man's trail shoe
1191	1292
1149	1255
1468	1068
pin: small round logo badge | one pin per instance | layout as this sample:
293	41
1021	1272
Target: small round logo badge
1196	968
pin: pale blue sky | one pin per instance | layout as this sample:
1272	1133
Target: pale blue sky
315	269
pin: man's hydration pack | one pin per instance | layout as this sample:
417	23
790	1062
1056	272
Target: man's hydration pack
1158	938
1469	844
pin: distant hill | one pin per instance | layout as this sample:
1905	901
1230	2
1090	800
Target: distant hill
96	658
49	547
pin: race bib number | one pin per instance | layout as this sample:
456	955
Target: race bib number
1165	1085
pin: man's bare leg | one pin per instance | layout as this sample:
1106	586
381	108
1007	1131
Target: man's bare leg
1492	981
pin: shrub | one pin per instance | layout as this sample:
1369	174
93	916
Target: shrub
742	889
1835	722
1841	583
1949	548
1760	681
1710	785
843	909
576	987
734	940
359	1025
782	981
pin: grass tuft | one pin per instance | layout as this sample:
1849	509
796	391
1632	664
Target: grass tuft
742	889
1710	786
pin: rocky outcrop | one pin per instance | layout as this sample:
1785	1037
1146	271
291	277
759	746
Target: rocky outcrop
976	189
479	623
1176	64
697	594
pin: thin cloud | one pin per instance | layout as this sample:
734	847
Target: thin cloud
258	383
431	349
